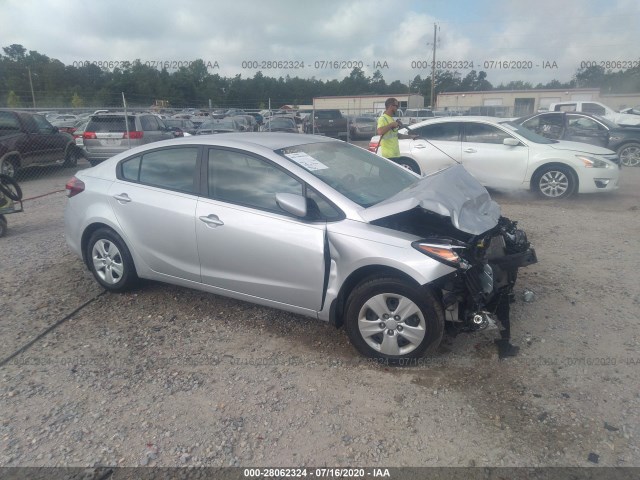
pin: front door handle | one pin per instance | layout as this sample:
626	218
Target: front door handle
122	198
212	220
470	150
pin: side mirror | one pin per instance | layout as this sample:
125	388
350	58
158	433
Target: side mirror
293	204
511	142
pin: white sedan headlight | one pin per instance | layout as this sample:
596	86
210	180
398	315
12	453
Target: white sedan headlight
592	162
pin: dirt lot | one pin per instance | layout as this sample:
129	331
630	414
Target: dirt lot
173	377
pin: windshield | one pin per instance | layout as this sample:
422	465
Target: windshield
362	177
526	133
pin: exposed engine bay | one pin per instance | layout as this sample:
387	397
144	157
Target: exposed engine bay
478	294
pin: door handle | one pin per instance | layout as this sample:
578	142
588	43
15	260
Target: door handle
122	198
212	220
470	150
419	145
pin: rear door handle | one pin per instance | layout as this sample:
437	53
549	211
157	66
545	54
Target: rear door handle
122	198
212	220
470	150
419	145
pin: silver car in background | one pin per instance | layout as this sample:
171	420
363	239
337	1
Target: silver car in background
304	224
109	134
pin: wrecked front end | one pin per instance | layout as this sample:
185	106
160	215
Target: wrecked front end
460	226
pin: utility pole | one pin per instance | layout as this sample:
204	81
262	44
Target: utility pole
33	96
433	67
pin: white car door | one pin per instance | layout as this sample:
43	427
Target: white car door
487	158
249	245
437	146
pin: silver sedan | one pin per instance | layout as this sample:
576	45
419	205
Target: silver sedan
305	224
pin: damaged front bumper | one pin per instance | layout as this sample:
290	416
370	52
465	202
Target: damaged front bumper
477	295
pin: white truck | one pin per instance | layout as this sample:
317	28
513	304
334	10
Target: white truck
622	119
415	115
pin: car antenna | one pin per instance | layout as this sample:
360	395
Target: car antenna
436	147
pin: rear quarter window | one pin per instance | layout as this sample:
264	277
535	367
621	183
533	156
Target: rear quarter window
110	124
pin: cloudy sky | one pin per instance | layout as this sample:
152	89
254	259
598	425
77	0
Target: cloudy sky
532	40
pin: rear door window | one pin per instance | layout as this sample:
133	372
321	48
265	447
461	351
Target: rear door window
110	124
170	168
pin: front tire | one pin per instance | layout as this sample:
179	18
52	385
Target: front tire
8	167
391	319
554	182
110	261
629	154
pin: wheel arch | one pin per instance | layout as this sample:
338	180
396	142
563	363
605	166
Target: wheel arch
545	166
338	305
89	230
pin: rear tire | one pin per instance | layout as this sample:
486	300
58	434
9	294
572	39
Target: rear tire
110	262
409	164
72	157
3	226
391	319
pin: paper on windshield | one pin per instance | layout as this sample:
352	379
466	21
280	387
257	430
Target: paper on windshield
306	161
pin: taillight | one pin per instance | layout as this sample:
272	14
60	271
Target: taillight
89	135
373	146
134	135
74	187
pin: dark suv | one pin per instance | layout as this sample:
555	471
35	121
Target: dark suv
108	134
326	122
28	139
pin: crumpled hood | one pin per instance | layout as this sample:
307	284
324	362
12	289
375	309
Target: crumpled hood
452	192
580	147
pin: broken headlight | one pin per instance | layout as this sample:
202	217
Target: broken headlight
444	251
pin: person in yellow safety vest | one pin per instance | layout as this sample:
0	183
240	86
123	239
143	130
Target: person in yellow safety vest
388	131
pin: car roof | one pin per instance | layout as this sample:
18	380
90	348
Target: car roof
270	140
471	118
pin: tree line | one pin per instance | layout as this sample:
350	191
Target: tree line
26	76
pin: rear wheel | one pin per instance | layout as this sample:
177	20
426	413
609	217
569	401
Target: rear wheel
554	181
72	157
409	164
629	154
110	261
389	318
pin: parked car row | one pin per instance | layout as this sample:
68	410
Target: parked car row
504	155
587	128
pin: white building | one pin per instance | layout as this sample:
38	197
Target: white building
359	104
516	103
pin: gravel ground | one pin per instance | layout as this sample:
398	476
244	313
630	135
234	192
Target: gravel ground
166	376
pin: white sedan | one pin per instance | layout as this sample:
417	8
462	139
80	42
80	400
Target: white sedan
506	156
